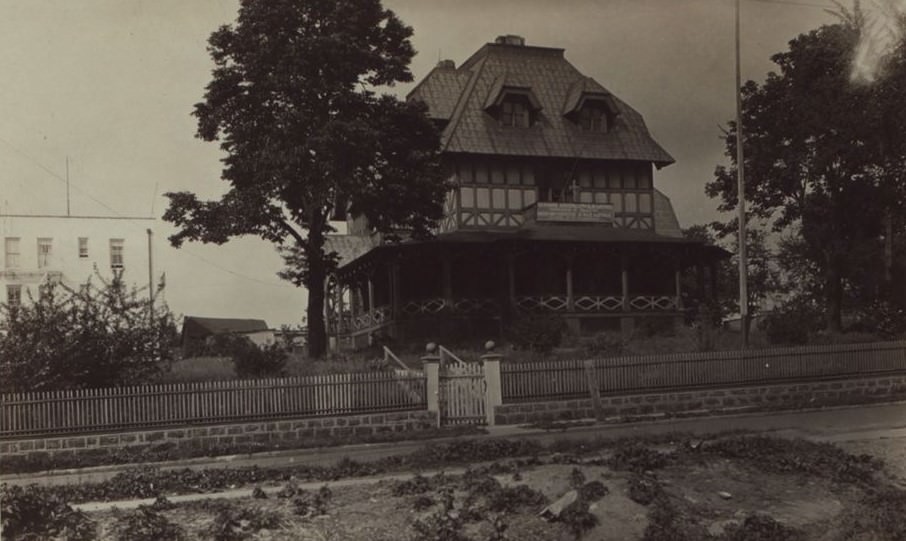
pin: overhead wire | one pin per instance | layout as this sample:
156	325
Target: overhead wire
61	178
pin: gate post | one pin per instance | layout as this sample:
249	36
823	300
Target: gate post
431	365
493	395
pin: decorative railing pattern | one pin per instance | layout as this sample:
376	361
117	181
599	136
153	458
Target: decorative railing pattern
653	303
545	303
590	303
150	406
476	306
425	306
555	380
370	319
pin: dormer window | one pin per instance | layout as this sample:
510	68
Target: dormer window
590	107
513	106
514	113
593	116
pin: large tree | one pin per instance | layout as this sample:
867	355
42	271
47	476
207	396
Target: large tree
821	154
295	106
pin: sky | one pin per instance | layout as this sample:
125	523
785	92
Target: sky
110	85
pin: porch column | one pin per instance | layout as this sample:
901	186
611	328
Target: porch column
624	278
353	302
570	299
714	284
370	294
700	278
678	280
339	307
395	289
447	281
511	277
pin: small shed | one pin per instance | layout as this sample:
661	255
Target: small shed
196	330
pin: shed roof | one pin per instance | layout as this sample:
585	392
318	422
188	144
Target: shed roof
459	95
197	327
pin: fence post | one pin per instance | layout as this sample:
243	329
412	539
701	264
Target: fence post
493	394
431	365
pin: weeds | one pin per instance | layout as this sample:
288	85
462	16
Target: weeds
761	528
147	524
233	523
29	514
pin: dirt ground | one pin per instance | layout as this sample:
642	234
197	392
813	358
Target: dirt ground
710	495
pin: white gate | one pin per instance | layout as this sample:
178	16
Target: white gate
462	389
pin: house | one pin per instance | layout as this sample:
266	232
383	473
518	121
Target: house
554	211
199	330
72	250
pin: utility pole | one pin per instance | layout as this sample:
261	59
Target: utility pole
150	279
741	202
67	186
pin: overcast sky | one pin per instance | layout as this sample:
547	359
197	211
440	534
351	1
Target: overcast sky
111	85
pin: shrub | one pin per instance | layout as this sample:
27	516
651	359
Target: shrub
147	524
578	518
761	528
234	523
792	323
33	514
882	318
252	361
445	524
637	458
90	337
537	333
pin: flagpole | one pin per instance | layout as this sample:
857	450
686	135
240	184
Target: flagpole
741	202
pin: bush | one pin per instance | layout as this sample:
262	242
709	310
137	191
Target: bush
537	333
792	323
147	524
234	523
761	528
91	337
31	514
252	361
882	318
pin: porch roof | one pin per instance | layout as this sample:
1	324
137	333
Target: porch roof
586	235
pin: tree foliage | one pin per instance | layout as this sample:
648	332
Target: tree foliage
825	158
293	102
96	336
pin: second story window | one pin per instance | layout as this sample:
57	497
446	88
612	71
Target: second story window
11	248
83	247
45	247
116	253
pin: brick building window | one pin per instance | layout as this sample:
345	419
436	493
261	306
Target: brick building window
45	247
11	249
13	296
116	253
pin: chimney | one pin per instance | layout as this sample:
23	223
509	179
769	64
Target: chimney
510	39
446	64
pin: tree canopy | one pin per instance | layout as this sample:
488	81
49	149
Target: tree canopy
294	103
825	157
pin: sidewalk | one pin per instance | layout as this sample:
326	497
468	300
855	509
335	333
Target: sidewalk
829	424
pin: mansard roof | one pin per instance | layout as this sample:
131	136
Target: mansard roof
459	97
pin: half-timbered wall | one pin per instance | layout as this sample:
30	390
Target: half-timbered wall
493	192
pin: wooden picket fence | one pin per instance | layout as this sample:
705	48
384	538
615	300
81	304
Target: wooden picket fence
181	404
553	380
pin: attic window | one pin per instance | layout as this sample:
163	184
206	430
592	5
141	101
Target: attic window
594	116
515	113
513	107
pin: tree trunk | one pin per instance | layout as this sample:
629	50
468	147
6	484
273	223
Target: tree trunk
317	330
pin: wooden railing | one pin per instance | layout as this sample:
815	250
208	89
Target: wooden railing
150	406
551	380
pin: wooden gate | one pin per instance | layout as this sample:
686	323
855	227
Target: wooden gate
462	389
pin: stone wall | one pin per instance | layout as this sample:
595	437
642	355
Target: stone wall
225	435
711	401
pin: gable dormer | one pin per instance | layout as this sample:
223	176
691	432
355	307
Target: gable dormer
590	108
513	106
